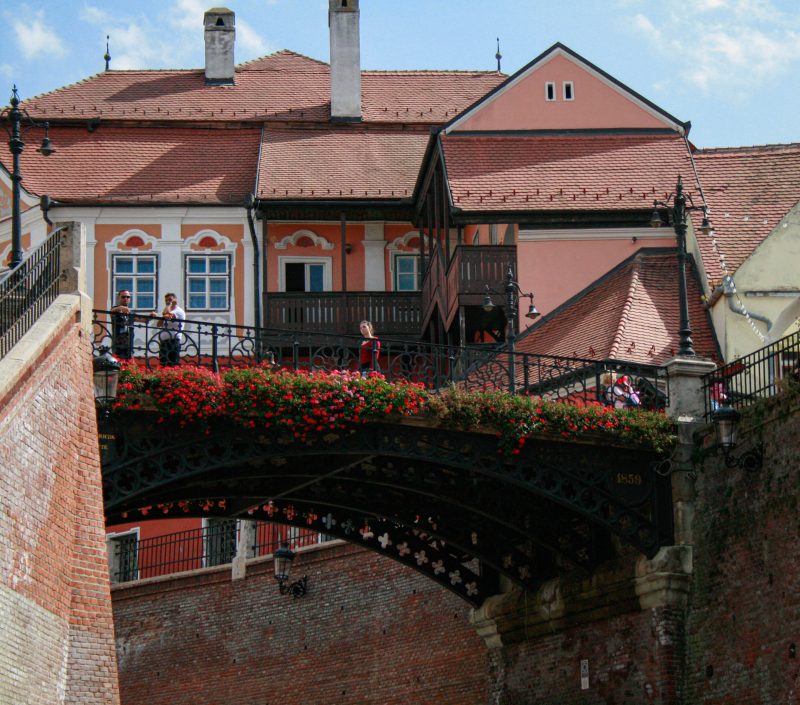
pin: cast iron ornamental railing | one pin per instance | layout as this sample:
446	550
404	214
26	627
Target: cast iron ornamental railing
212	545
219	346
27	291
753	377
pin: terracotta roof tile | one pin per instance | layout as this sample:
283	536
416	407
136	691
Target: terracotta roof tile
345	161
278	87
749	190
568	172
629	314
145	165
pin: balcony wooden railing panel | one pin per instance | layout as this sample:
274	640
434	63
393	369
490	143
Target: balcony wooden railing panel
392	313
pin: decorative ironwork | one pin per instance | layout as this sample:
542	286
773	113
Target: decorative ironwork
753	377
442	492
221	346
27	290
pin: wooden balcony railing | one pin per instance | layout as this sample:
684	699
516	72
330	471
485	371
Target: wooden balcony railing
464	281
391	312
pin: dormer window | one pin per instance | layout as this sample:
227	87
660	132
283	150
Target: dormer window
550	91
569	91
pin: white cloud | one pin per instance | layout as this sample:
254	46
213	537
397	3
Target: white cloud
188	14
35	40
250	41
724	46
94	15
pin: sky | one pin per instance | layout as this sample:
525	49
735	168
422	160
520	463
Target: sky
732	67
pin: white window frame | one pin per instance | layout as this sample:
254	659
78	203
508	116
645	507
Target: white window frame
548	87
206	552
187	275
113	560
571	86
327	269
393	266
134	276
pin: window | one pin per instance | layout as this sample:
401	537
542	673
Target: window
406	273
550	91
569	91
219	541
305	274
123	556
137	274
208	282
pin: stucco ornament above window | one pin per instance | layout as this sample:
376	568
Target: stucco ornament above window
298	235
132	241
405	242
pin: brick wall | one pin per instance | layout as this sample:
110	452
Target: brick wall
745	605
56	630
369	631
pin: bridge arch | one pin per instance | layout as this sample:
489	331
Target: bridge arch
442	501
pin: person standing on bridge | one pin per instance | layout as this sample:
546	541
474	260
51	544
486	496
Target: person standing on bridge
370	348
170	337
122	326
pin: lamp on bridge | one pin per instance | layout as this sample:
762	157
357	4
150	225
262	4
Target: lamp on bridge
678	205
283	558
106	377
15	131
513	293
726	423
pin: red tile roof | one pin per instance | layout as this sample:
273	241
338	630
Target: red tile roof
749	190
564	172
345	161
629	314
278	87
145	165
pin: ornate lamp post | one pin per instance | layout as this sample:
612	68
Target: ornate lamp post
513	293
676	203
283	558
726	422
105	368
15	132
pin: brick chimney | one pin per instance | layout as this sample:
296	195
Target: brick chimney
220	32
343	18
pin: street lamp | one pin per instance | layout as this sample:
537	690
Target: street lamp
105	369
676	203
283	558
513	293
726	422
16	117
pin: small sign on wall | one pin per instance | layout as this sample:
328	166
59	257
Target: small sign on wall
585	674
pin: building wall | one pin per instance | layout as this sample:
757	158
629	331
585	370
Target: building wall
744	624
772	268
368	631
56	630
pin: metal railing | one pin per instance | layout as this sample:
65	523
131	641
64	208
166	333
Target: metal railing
27	291
212	545
753	377
479	367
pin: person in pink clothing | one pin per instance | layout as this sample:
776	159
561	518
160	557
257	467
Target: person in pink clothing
370	348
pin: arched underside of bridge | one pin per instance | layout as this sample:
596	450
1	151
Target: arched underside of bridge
441	501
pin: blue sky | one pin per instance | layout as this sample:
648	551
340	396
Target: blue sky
732	67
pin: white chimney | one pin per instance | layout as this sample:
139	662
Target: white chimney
220	32
343	17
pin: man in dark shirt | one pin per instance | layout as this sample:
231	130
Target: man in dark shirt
122	326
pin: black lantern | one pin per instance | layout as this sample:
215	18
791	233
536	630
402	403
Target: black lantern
283	558
19	123
106	377
726	422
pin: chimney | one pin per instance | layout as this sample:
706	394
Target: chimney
343	16
219	34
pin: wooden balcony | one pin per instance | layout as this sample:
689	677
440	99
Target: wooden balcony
464	281
391	312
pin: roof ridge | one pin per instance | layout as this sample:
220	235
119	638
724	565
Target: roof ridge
440	71
772	147
284	52
636	266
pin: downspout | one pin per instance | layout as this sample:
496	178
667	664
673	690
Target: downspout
249	204
45	204
729	289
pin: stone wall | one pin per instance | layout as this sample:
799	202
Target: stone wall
56	630
744	623
370	631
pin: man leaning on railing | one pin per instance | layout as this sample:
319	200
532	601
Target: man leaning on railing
122	326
